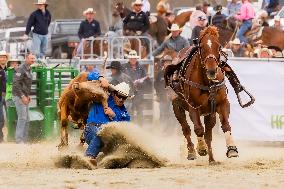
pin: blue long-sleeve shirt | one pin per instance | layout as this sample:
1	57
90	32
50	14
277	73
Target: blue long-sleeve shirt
98	116
40	21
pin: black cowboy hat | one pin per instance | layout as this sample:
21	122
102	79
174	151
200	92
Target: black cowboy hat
218	8
114	65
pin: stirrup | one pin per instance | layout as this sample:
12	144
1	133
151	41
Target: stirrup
252	99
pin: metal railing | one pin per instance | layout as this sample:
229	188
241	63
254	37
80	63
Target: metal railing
17	47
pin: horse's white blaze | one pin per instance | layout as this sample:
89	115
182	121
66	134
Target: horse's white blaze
209	43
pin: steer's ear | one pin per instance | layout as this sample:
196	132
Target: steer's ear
76	86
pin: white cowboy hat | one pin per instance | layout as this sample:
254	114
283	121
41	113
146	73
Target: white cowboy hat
175	27
132	54
137	2
277	18
236	41
89	10
122	89
4	53
41	2
167	58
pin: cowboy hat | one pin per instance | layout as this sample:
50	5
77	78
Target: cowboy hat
218	8
114	65
132	54
175	27
122	89
137	2
277	18
89	10
13	60
41	2
167	58
4	53
236	41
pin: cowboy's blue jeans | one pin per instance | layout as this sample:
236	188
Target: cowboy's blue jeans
23	120
93	140
39	45
246	25
1	119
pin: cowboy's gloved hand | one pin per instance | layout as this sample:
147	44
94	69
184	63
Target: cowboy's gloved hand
104	82
138	32
108	111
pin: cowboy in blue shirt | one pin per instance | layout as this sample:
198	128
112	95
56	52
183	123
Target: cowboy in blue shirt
99	115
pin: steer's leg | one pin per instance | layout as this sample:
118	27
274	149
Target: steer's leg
181	117
224	111
64	124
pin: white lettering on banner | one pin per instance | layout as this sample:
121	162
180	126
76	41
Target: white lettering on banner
264	120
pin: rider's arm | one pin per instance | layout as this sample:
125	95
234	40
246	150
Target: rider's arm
159	49
147	24
80	31
30	23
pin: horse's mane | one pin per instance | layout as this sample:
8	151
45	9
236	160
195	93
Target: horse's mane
211	30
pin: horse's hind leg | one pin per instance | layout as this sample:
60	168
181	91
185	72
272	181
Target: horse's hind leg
181	117
224	112
209	121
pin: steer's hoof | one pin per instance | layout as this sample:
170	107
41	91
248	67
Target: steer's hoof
202	152
62	146
191	156
232	151
213	163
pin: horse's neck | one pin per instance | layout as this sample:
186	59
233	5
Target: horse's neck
197	71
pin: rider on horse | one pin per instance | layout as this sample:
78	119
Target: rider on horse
88	28
137	21
175	42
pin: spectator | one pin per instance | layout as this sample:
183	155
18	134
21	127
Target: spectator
99	115
137	21
39	20
162	92
219	18
146	7
175	42
163	7
3	61
234	7
246	15
237	48
200	25
272	6
263	16
21	96
277	22
264	53
12	64
138	75
88	28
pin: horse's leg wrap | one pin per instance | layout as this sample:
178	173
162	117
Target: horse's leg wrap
229	139
232	150
201	146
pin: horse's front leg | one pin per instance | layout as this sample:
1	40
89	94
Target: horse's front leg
199	131
224	111
209	121
181	117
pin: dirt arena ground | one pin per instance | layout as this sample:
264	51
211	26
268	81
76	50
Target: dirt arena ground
259	166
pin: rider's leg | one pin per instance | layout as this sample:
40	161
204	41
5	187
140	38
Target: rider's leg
244	27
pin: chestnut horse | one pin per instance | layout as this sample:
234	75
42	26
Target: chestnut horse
202	92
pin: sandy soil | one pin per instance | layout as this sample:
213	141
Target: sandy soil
259	166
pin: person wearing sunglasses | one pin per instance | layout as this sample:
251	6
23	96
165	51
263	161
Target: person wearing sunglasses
98	115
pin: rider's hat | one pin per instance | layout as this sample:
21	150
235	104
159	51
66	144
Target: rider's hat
277	18
114	65
175	27
236	41
41	2
167	58
89	11
137	2
122	89
4	53
132	54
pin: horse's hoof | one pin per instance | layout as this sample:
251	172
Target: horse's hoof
232	151
214	163
202	152
62	147
191	156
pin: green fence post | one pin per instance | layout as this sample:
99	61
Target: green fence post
48	121
11	122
